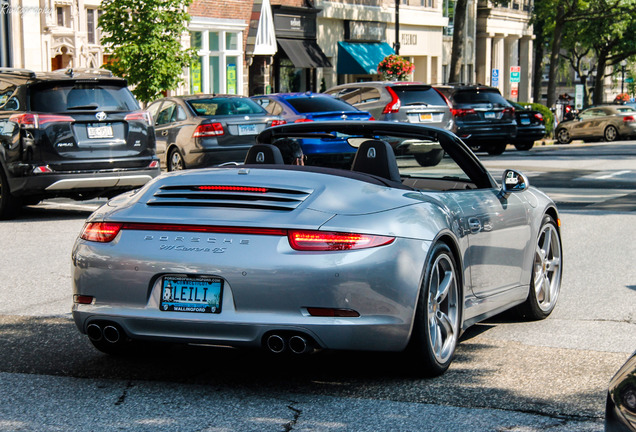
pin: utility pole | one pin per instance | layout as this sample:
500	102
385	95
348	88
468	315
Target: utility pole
397	27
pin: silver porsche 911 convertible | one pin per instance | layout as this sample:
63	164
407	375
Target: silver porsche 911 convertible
385	256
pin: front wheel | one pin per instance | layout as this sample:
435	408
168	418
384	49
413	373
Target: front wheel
437	320
610	134
563	136
546	273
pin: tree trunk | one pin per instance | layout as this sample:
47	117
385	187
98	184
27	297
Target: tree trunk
537	73
557	38
600	77
459	32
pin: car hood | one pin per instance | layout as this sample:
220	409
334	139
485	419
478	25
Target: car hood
254	197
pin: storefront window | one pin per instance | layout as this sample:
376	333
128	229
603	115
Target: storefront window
215	74
231	41
220	62
195	40
214	41
290	77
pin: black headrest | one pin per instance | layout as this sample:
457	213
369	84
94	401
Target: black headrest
376	157
264	154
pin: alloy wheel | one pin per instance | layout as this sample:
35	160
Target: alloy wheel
610	133
443	309
175	162
547	268
563	136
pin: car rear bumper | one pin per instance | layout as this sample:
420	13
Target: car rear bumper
472	134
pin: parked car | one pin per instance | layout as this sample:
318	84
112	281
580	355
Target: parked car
483	118
607	122
620	408
308	106
530	126
294	258
412	102
75	134
202	130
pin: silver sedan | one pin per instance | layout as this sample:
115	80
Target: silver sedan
607	123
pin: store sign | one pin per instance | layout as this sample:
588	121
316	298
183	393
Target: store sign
295	25
365	31
408	39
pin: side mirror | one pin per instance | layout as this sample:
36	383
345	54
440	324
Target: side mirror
513	181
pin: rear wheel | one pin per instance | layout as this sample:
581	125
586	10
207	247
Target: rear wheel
524	145
610	134
546	273
175	160
563	136
9	204
496	149
436	328
430	158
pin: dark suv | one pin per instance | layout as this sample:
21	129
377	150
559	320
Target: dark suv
483	118
70	134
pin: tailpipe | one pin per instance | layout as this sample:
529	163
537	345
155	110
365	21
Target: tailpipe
276	344
111	334
299	345
94	332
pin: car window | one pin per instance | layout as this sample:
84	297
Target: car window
225	106
414	95
71	96
179	114
626	110
270	105
166	114
477	97
369	94
350	95
318	104
153	109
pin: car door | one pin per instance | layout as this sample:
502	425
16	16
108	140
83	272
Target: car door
170	120
498	235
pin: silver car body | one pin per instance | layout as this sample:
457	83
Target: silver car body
267	286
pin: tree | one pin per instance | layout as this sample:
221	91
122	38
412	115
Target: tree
459	31
144	37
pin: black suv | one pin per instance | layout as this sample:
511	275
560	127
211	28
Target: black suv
484	120
70	134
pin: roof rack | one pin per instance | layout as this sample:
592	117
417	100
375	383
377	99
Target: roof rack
17	72
71	72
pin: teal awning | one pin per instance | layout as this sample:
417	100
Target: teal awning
361	58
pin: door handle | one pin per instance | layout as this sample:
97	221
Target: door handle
474	225
164	133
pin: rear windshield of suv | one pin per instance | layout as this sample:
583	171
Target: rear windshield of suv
75	96
479	97
415	95
318	104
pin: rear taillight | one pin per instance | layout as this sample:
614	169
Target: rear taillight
333	241
395	104
450	106
277	123
372	118
34	121
303	120
153	164
628	119
139	116
509	112
208	130
102	232
460	112
539	117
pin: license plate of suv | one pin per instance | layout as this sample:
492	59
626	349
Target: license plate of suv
102	131
186	294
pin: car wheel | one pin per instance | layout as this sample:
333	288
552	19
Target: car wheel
9	204
563	136
610	134
437	327
496	149
175	160
546	273
430	158
524	145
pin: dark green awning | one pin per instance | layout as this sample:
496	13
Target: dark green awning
361	58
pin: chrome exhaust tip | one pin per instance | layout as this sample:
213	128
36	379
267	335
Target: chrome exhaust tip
111	334
298	345
276	344
94	332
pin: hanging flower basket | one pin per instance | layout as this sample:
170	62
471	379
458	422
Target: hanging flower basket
621	98
395	68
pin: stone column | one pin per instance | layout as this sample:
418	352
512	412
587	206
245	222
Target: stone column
484	58
498	54
525	61
511	58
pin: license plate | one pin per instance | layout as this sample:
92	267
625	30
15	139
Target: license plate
490	115
95	132
249	129
426	117
525	121
184	294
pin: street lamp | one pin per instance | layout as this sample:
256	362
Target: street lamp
623	64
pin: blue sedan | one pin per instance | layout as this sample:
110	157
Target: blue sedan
309	107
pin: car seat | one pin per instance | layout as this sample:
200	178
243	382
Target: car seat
264	154
376	157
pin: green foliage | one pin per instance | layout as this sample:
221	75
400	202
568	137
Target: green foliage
144	37
548	116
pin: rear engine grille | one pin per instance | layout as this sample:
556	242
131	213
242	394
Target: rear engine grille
230	196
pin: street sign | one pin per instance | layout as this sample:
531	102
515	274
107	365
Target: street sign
515	74
629	80
494	78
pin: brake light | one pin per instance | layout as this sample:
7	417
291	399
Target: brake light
139	115
539	117
628	119
509	112
303	120
450	106
102	232
372	118
395	104
277	123
460	112
233	189
208	129
34	121
330	241
154	164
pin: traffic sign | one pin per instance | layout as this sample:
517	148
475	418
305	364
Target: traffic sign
515	74
494	78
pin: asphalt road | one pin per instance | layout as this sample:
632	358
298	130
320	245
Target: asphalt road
507	375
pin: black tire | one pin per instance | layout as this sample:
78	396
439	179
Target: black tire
524	145
496	149
547	265
563	136
175	160
610	134
430	158
9	204
438	315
